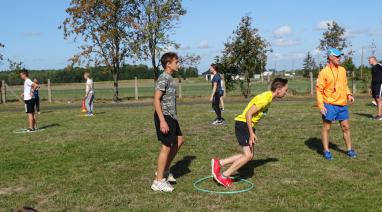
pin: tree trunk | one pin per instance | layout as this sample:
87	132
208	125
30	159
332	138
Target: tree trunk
115	88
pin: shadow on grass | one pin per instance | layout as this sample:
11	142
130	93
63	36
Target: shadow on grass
181	167
365	115
248	170
49	126
316	144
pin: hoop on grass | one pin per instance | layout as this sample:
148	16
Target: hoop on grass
26	131
198	181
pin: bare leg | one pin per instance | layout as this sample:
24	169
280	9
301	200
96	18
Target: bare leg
222	101
325	134
241	161
379	106
30	120
174	150
346	133
34	121
230	160
162	161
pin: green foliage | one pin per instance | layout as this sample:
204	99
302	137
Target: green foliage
155	22
309	65
1	55
334	37
244	53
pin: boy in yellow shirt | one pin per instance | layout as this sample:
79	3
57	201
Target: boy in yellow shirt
245	131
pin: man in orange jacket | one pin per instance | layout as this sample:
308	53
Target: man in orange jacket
332	96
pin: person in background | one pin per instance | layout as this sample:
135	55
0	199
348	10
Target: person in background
222	97
36	95
216	94
29	101
376	85
89	96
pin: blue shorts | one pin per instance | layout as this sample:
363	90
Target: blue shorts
336	113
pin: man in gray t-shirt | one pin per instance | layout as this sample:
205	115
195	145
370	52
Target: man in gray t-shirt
166	123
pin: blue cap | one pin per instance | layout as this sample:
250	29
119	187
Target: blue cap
334	52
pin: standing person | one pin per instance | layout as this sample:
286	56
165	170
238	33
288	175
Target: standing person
29	88
222	96
36	95
216	94
376	85
332	96
245	131
89	96
166	123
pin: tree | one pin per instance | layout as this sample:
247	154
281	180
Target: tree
1	56
186	64
157	19
107	30
245	53
309	65
334	37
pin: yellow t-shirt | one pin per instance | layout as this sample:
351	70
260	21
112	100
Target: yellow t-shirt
262	102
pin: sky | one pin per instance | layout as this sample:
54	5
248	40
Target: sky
29	29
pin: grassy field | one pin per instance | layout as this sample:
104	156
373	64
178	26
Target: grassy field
193	87
107	162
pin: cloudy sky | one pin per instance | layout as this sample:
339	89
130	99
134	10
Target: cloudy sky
29	29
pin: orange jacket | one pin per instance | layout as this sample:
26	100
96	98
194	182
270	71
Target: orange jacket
332	86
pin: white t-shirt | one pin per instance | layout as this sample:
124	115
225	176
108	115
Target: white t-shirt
89	86
27	89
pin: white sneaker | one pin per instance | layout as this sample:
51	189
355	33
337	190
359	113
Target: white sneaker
169	177
162	185
374	103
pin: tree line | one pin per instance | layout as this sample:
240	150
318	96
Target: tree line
72	75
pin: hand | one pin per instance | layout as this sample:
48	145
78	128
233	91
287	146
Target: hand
323	111
164	127
351	99
370	93
211	98
252	139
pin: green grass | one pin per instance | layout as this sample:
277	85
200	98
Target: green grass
194	87
106	163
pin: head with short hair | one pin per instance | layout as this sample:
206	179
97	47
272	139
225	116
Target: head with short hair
373	60
35	81
86	75
279	87
214	68
169	61
23	74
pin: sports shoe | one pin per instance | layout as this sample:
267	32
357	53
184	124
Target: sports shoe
225	181
374	103
30	130
215	167
90	114
168	176
352	153
328	155
379	118
162	185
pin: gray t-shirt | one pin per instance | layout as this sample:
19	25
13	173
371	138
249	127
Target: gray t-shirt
166	84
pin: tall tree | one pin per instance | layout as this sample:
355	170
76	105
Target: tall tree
1	56
157	20
107	30
334	37
245	53
309	64
186	62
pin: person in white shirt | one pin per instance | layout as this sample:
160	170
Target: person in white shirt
89	96
28	94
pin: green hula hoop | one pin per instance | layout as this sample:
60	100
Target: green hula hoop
196	182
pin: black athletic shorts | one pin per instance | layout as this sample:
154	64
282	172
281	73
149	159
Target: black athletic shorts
171	137
29	105
376	90
242	133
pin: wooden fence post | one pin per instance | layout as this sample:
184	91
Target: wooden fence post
49	91
311	83
136	88
180	91
2	93
354	90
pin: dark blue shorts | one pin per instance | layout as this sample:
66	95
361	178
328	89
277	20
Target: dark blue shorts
336	113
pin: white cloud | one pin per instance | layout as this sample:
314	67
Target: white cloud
323	25
375	32
351	33
285	42
203	45
283	31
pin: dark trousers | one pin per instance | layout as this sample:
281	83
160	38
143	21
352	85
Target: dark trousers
37	102
216	105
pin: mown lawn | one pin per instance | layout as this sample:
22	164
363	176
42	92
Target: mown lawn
106	163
